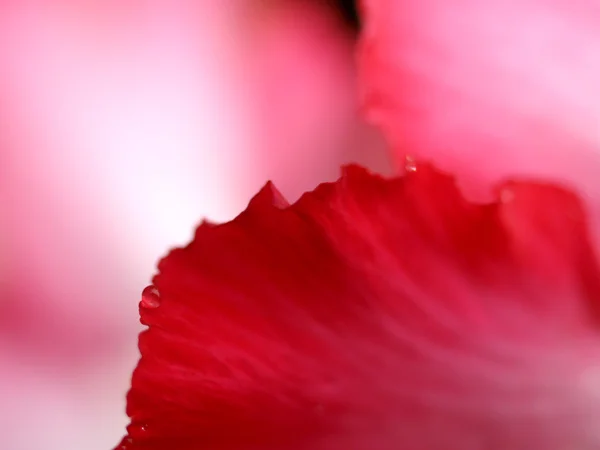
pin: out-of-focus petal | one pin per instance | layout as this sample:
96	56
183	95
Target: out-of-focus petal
302	59
121	122
487	88
375	314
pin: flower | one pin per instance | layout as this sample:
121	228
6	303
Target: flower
123	121
376	314
488	89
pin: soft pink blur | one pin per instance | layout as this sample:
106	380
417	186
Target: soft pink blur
122	123
488	89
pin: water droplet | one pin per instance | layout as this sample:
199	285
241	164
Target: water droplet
137	430
150	297
410	165
125	444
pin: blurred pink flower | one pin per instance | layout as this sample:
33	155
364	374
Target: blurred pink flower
489	88
122	124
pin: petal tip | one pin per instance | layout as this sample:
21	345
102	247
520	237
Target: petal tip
269	195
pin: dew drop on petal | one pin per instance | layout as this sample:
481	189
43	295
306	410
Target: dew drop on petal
410	165
150	297
125	444
138	429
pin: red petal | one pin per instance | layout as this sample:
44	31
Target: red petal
376	314
488	88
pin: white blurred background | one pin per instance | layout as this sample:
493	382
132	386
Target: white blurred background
122	124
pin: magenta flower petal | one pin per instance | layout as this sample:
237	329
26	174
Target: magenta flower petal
376	314
488	88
